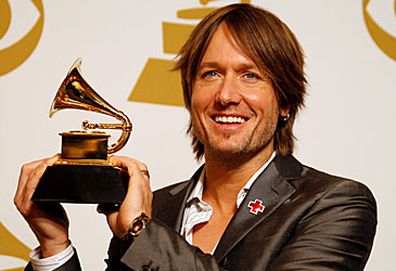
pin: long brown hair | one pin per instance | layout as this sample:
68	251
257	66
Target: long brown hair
274	48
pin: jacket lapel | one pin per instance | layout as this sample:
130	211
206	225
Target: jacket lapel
172	212
272	189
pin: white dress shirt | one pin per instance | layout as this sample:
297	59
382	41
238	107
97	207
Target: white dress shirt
198	211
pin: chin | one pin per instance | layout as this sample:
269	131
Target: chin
230	149
242	147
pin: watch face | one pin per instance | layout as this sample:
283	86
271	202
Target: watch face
138	224
137	227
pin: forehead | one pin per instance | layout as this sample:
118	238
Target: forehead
224	49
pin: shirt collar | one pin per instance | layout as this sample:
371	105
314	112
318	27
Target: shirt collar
197	192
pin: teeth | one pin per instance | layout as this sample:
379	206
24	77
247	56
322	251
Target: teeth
224	119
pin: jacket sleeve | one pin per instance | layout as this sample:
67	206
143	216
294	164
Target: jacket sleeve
158	247
335	234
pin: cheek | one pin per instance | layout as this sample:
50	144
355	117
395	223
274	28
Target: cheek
263	102
199	100
197	108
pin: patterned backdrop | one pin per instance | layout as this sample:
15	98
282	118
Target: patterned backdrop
128	48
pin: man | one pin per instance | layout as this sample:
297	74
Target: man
252	206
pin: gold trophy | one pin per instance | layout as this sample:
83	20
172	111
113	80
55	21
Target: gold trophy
84	174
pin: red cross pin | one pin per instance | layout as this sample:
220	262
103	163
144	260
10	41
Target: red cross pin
256	206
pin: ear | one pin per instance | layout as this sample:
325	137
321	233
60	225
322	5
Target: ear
284	112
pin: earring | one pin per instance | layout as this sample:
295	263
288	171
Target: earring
285	118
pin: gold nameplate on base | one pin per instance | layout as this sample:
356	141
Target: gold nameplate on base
84	174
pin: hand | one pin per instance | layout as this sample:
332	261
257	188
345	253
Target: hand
48	221
137	200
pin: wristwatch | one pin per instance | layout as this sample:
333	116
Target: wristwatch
138	224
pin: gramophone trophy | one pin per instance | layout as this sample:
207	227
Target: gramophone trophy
84	174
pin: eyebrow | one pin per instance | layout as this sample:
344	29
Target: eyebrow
216	65
208	65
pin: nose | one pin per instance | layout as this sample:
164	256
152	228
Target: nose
228	93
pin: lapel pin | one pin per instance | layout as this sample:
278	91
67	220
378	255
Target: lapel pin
256	206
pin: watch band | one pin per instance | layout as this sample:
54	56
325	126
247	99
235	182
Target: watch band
138	224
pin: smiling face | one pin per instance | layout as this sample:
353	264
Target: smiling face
234	110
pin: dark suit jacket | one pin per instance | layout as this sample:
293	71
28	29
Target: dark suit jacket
311	221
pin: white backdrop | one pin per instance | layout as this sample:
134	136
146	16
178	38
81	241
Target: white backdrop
347	127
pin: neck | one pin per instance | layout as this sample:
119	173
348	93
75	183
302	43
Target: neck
226	175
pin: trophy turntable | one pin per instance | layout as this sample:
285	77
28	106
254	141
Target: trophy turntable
84	174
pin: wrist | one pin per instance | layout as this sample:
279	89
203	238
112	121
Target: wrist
50	263
51	249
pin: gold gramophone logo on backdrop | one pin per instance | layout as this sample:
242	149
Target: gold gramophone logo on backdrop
166	88
383	39
10	246
14	55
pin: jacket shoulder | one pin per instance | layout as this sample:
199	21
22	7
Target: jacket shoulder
318	180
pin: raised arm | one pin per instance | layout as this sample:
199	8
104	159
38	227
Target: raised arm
48	221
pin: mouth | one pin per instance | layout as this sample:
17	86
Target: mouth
222	119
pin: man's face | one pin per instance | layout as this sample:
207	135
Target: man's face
234	109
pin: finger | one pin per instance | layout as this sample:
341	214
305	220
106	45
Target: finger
137	171
133	166
26	172
145	173
35	176
107	208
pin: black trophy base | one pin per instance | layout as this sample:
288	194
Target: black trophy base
82	184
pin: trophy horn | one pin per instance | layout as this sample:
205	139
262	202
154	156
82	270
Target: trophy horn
76	93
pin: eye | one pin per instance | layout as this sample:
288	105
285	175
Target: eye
210	74
251	76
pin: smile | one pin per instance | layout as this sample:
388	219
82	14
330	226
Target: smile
229	120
